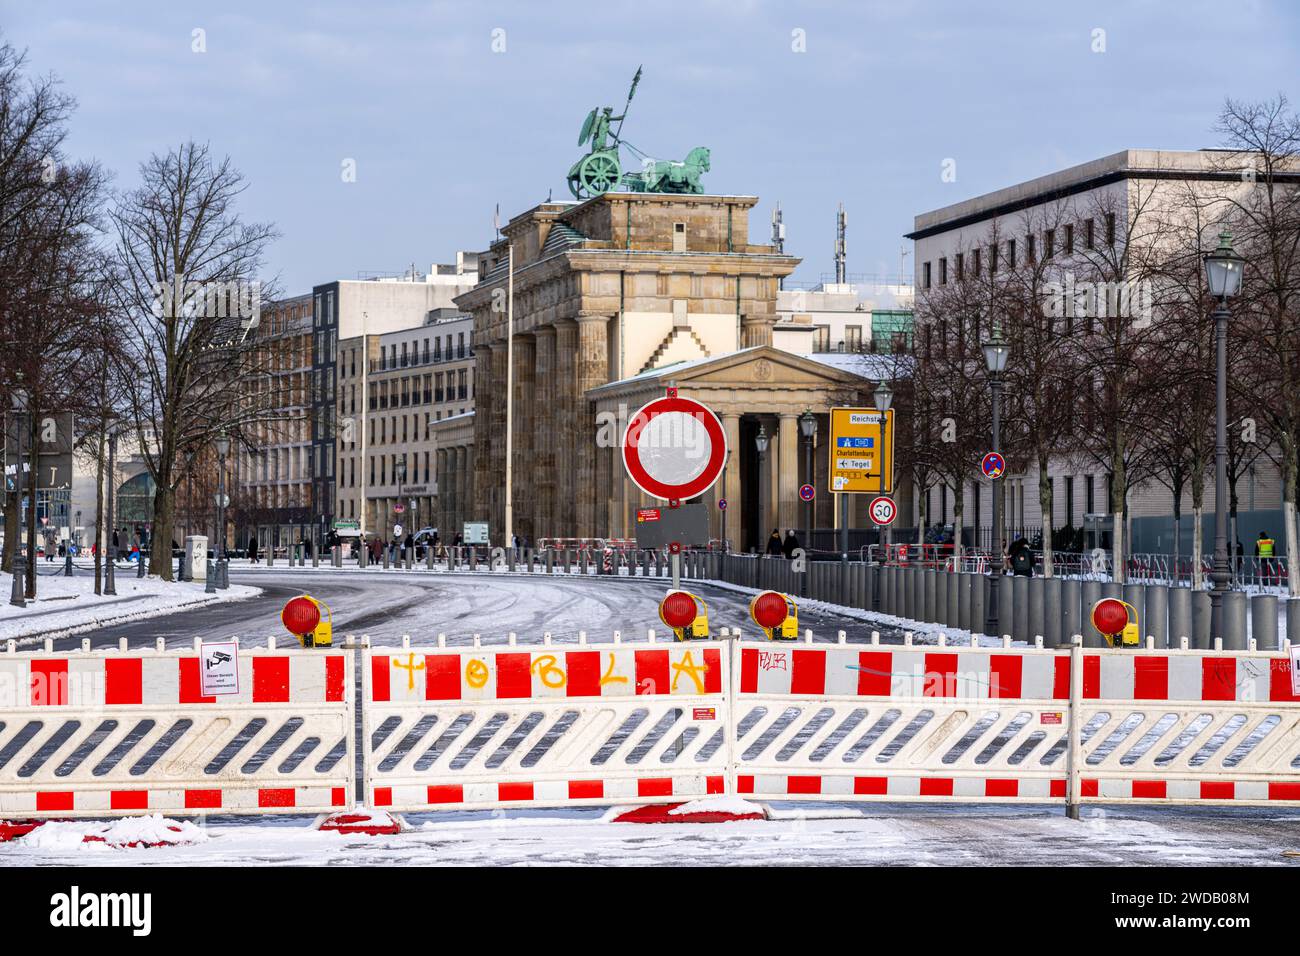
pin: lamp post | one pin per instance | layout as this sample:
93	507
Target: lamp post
883	398
1223	269
808	428
223	449
996	352
399	472
760	442
17	592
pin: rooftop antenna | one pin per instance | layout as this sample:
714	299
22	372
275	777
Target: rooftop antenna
841	249
778	238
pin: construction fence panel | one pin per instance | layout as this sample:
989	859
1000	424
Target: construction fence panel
899	723
545	725
87	733
1188	727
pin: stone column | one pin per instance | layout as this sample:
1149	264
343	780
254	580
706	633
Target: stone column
444	488
485	392
592	370
496	475
544	448
731	425
525	470
756	330
563	424
788	472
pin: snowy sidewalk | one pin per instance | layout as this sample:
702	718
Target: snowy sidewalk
65	606
876	835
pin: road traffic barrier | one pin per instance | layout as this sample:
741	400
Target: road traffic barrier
114	732
604	724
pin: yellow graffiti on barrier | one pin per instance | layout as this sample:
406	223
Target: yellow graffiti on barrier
545	668
695	671
476	673
410	667
609	677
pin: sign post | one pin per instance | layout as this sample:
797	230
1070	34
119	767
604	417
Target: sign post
861	458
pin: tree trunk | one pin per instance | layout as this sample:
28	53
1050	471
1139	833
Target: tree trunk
1117	509
1198	529
11	532
1045	504
160	547
1175	577
1288	512
99	512
31	511
957	511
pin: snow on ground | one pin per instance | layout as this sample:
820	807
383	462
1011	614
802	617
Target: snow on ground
65	606
936	835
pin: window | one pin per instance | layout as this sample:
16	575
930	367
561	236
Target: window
852	338
1011	253
943	271
1049	244
975	262
926	275
1088	234
1069	500
679	237
821	338
1089	487
961	266
1030	251
1069	239
1110	229
993	259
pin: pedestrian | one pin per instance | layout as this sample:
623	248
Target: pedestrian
1264	546
1022	557
774	543
252	550
790	545
409	545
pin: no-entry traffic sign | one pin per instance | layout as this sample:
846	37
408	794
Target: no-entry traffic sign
674	448
883	510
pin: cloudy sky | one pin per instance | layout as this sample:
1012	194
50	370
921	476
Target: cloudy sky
448	108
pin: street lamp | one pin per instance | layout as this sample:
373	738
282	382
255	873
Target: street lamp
760	442
808	428
16	593
1223	269
223	449
996	352
883	396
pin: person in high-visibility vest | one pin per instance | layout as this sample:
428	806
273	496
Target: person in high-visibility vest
1264	546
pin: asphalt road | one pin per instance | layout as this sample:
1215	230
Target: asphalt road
386	605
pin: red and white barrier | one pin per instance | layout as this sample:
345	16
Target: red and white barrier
88	733
544	726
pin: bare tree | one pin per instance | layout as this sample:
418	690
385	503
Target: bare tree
188	291
1263	140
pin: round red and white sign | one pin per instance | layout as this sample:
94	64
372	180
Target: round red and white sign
883	510
674	448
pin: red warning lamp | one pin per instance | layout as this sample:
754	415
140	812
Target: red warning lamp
678	609
769	610
1110	616
300	616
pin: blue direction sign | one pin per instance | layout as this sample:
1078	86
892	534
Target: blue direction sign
807	492
993	465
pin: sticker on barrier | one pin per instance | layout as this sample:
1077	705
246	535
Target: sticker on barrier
92	732
550	725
